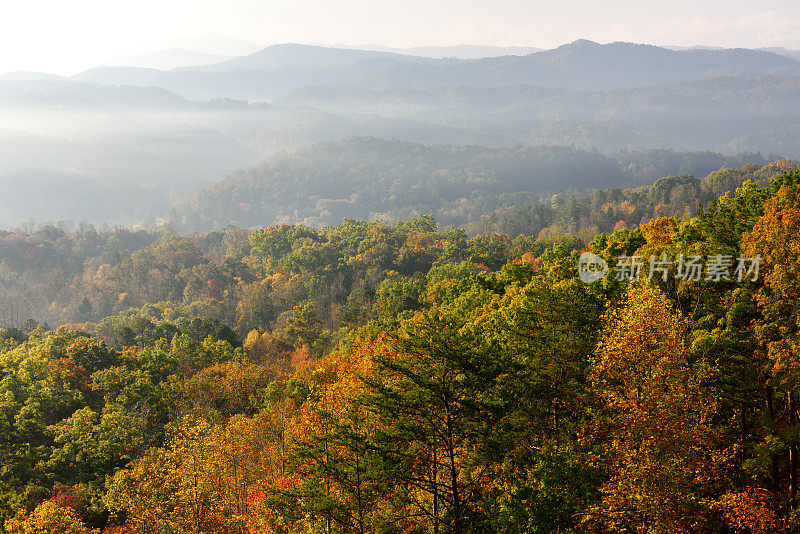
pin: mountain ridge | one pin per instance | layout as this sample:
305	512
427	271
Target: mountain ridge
582	64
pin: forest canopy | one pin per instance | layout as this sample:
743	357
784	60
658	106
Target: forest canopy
368	178
409	377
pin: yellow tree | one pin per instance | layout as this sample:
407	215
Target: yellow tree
171	489
334	481
202	481
48	518
776	239
240	460
655	430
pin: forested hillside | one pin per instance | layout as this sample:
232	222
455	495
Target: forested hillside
722	113
376	377
58	275
369	178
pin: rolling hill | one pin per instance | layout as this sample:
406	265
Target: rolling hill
367	178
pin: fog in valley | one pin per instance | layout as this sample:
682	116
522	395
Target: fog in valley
125	145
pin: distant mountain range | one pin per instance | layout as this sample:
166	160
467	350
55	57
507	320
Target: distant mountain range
280	69
454	51
794	54
143	137
590	66
299	57
583	64
781	51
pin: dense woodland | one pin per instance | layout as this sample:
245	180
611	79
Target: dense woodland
372	377
55	274
368	178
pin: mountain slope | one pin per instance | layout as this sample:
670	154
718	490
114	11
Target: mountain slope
296	57
589	65
278	70
724	114
462	51
367	178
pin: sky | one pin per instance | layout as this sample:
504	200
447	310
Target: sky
66	37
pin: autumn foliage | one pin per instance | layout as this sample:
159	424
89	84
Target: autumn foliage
377	378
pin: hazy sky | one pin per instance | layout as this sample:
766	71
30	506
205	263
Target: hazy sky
65	37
